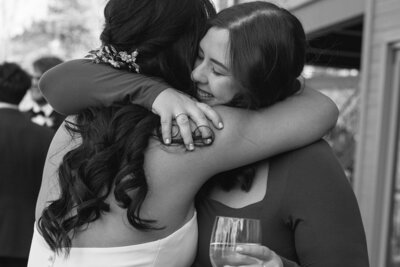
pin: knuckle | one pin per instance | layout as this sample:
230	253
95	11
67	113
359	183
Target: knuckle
265	252
202	105
208	108
182	119
201	117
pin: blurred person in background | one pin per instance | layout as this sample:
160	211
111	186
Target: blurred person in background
42	113
23	149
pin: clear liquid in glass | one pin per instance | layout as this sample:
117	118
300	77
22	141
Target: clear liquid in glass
227	234
225	254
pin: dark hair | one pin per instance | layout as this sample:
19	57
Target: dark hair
43	64
267	51
166	35
14	82
267	55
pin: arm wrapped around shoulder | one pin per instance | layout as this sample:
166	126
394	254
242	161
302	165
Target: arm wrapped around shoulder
75	85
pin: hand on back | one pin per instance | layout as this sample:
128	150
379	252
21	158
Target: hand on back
173	105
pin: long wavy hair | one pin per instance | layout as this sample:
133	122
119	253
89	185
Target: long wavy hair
113	140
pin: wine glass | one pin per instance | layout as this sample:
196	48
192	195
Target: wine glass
229	232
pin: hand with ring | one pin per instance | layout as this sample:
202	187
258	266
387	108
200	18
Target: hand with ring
173	105
257	256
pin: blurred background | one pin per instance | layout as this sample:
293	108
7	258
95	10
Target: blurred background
353	57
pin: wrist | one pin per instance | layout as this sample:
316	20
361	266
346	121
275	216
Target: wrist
161	100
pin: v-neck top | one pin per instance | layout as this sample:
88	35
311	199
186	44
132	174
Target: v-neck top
309	214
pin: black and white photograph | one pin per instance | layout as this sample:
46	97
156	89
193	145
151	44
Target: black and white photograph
200	133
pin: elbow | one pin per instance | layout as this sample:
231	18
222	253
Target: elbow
325	105
48	88
332	111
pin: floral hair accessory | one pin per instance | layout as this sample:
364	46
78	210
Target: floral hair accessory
109	55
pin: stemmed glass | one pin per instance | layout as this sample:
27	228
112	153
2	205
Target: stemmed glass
227	234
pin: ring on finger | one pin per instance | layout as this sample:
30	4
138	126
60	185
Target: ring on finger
180	114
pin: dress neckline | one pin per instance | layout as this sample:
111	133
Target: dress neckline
250	205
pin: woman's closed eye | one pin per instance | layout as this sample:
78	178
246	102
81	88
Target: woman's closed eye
215	72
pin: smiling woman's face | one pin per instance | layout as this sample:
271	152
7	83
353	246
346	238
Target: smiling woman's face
212	74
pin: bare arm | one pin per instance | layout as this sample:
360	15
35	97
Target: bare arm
249	136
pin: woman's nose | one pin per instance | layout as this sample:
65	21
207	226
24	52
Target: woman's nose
198	74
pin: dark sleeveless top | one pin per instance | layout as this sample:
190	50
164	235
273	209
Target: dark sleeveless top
309	214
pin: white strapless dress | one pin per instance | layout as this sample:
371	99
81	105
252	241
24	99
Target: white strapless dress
176	250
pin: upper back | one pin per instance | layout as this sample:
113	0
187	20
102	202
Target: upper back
114	225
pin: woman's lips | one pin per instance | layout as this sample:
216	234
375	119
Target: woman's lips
203	95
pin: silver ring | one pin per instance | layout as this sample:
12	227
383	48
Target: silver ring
180	114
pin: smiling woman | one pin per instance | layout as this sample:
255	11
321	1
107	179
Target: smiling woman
262	50
212	73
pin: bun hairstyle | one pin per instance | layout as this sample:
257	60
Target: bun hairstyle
110	158
267	52
165	34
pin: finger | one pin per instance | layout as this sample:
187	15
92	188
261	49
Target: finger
212	115
239	260
256	251
271	264
182	120
202	125
261	264
166	125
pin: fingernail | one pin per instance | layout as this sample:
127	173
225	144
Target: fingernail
220	125
191	147
167	141
239	249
